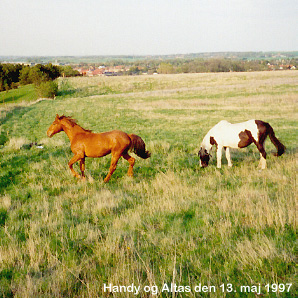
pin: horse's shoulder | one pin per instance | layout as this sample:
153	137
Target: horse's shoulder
222	123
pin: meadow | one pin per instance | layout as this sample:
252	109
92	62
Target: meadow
232	230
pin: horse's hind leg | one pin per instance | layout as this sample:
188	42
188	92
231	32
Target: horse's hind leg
262	163
228	156
113	166
261	147
131	161
82	166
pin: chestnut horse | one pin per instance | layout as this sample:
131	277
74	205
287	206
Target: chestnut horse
85	143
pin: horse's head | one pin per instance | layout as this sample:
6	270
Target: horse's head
204	157
55	127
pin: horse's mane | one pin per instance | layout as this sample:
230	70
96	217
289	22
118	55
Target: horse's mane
73	122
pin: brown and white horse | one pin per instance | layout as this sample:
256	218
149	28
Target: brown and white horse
85	143
226	135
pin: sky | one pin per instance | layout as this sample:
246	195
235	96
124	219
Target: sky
146	27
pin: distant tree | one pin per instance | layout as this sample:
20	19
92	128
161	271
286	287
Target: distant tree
38	74
24	76
9	75
165	68
134	70
1	78
68	71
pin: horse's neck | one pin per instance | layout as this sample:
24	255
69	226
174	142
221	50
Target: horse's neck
206	142
72	131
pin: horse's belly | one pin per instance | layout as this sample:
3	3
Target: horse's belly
229	140
96	151
97	145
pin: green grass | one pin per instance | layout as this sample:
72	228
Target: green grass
22	94
173	222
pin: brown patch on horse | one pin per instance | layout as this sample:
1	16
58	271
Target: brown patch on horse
213	141
246	139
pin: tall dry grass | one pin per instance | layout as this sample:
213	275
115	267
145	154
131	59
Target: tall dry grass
173	222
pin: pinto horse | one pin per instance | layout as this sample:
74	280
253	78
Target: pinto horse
226	135
85	143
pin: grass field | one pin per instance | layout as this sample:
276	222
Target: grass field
23	94
173	222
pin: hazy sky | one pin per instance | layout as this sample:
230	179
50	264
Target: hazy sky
146	27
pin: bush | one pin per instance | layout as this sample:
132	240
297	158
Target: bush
47	89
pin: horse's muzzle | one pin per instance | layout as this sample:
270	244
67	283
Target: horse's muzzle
49	134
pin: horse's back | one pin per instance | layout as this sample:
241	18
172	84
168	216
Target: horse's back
227	134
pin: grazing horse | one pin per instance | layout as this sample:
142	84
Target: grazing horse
85	143
226	135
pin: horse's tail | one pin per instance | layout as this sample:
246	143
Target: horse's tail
138	146
279	146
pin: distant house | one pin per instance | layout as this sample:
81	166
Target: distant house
91	72
109	73
98	71
290	67
82	71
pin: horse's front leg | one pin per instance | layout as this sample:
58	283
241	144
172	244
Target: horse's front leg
71	162
228	156
218	156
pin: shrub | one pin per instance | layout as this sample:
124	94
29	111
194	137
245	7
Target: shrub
47	89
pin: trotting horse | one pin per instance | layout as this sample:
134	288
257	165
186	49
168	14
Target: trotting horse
226	135
85	143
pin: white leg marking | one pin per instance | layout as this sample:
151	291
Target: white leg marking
228	156
262	163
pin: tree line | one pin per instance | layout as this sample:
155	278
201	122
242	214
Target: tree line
192	65
42	76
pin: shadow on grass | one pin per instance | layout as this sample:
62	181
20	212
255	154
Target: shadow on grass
66	93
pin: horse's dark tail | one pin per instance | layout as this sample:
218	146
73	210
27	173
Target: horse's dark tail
138	146
279	146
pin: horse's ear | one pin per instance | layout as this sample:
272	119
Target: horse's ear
57	116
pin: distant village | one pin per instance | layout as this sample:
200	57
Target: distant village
281	67
122	69
164	67
92	71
